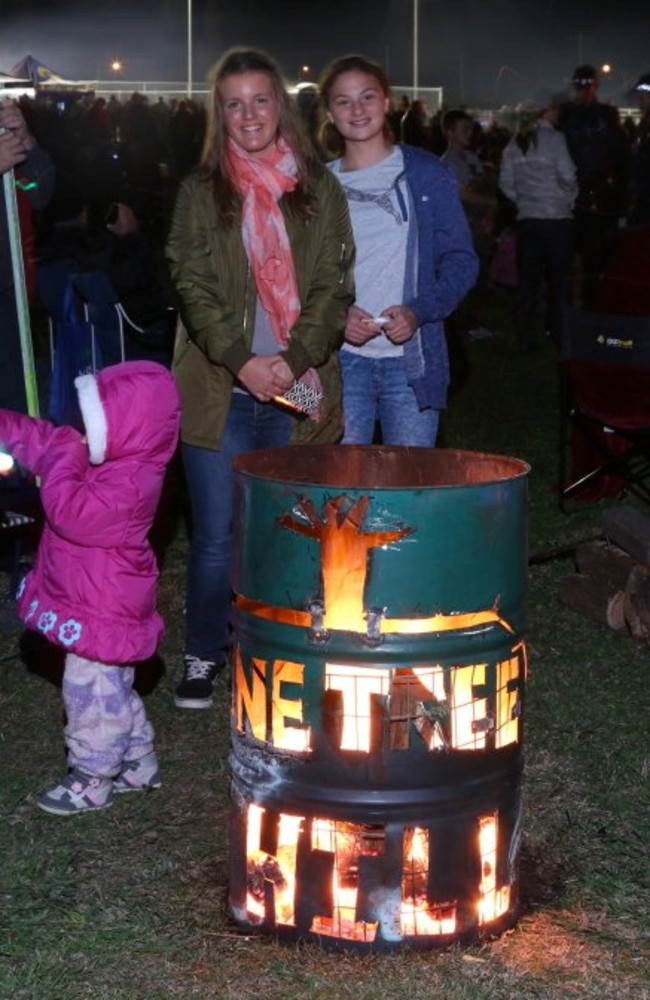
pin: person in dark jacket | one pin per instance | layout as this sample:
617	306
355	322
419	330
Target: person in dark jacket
600	151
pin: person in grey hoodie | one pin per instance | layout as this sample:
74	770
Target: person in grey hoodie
538	175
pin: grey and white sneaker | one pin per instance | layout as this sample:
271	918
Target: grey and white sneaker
195	689
138	775
78	792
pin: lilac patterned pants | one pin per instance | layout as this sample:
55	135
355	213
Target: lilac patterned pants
106	723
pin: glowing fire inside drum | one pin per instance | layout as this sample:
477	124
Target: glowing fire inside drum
378	682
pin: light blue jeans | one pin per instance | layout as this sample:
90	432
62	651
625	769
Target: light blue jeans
376	390
250	425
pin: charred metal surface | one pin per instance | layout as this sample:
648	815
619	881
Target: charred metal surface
376	752
372	466
378	787
314	880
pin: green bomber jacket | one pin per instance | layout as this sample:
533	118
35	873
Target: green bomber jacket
217	295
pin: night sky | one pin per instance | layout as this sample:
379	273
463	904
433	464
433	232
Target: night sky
482	53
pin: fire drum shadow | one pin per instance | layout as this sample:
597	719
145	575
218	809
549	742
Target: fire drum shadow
543	876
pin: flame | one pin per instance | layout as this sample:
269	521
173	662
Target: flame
343	924
493	901
355	620
412	913
466	709
510	674
288	731
345	551
356	688
343	841
449	708
418	918
284	863
418	915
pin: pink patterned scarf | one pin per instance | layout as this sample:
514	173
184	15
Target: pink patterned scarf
261	183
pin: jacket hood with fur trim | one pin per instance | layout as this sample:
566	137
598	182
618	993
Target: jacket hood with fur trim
116	405
92	589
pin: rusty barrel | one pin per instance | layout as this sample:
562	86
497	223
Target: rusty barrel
378	685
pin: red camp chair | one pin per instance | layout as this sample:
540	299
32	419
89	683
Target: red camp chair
605	408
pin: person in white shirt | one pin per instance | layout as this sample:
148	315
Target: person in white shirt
538	175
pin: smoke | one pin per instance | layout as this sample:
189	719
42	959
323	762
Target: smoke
78	41
481	53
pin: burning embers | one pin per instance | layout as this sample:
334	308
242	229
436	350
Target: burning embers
346	883
377	714
374	708
312	874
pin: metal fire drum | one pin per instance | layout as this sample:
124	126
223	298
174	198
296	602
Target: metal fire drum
378	682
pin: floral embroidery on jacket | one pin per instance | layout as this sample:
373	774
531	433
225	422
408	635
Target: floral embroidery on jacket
46	621
70	632
32	610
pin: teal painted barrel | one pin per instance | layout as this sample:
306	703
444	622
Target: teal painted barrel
378	684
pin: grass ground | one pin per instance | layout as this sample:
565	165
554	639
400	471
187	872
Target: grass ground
129	904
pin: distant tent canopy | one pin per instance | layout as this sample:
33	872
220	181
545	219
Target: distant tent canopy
46	83
33	69
15	86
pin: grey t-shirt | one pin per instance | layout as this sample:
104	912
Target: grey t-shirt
381	237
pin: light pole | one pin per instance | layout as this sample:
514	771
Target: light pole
416	48
189	48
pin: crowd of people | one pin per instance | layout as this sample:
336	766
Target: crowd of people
317	275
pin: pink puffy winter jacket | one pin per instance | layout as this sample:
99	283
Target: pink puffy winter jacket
93	586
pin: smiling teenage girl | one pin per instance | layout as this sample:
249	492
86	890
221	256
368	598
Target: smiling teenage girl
414	262
259	250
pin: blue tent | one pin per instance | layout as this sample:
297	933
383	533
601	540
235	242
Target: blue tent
33	69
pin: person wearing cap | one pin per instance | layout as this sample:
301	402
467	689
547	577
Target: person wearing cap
599	148
640	173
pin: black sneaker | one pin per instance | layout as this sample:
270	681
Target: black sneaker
195	690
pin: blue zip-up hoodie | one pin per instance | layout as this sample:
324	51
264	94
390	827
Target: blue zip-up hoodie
447	267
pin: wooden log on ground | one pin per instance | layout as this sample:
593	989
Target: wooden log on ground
636	604
630	530
593	598
605	562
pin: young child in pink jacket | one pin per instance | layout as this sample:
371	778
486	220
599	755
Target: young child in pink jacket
92	589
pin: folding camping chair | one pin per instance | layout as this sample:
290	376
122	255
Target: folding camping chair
74	348
102	310
605	408
52	281
119	337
